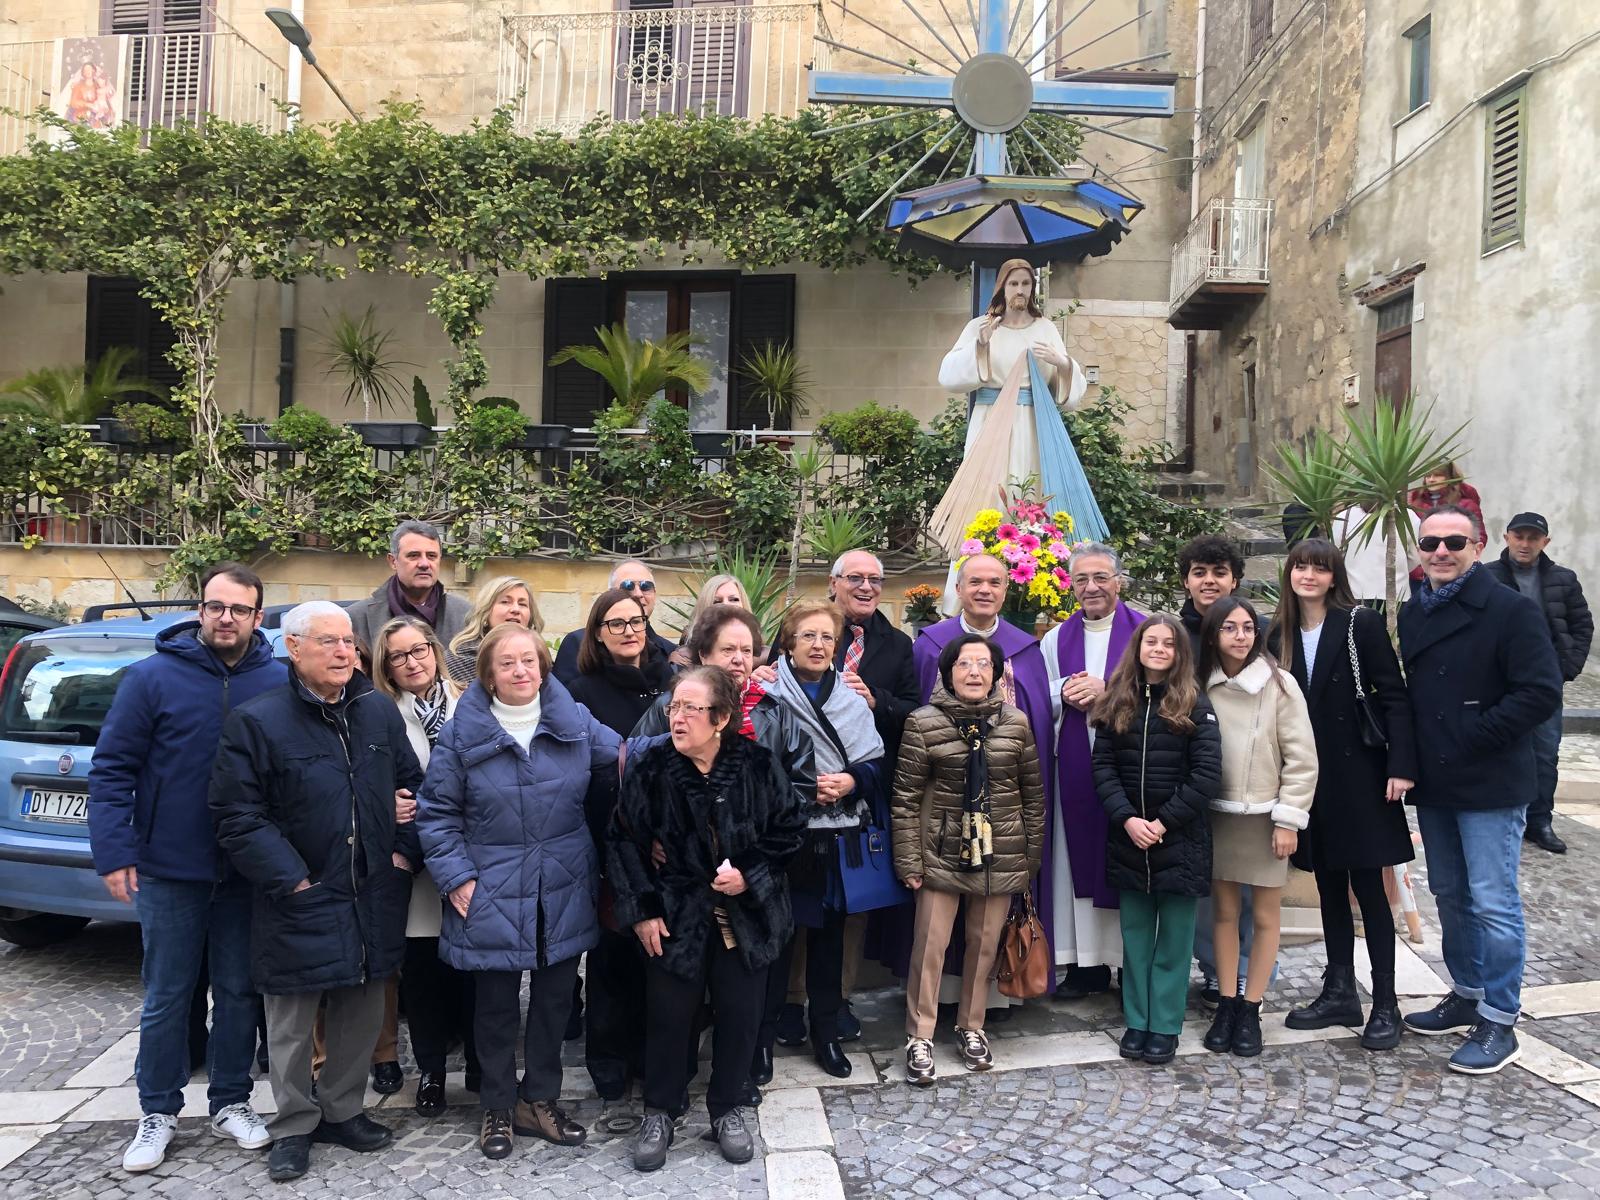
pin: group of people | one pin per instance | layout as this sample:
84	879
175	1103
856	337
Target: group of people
424	809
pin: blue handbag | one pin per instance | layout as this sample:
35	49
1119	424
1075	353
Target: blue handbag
866	871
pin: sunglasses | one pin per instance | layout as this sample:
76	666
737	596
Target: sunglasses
1454	543
644	585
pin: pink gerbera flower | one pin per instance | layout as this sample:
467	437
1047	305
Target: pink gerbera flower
1058	549
1023	572
1008	533
972	546
1028	542
1011	554
1062	577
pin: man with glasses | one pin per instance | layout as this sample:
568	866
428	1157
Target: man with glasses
413	589
155	848
1482	675
1078	908
631	576
304	796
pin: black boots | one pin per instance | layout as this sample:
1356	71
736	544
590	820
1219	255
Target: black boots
1338	1004
1247	1029
1383	1028
1219	1038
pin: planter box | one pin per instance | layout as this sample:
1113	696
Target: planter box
117	432
545	437
392	435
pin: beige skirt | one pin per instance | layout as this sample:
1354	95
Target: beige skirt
1241	850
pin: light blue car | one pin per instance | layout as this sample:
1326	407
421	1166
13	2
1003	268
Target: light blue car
55	691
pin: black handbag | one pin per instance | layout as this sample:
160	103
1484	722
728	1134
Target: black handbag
1374	734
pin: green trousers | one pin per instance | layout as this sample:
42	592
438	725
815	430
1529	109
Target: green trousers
1157	945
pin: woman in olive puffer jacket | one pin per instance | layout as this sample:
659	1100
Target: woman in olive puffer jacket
968	810
1157	767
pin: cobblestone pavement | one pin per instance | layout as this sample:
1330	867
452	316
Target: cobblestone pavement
1060	1116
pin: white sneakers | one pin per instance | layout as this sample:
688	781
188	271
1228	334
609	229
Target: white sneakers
148	1149
149	1146
244	1125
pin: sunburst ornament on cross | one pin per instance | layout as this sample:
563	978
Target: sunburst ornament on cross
1015	199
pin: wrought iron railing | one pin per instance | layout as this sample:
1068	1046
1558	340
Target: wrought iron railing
561	70
1229	242
146	80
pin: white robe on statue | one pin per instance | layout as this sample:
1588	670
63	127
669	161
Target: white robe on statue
1093	937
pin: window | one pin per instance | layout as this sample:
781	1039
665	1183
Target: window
60	690
1260	26
1420	40
1250	167
168	64
117	315
1505	169
679	61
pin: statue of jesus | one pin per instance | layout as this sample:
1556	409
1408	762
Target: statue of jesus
1016	362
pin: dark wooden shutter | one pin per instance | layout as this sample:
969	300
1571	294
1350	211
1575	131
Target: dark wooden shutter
718	63
1260	26
1505	161
168	66
119	316
763	311
573	310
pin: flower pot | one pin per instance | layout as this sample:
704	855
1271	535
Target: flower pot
117	432
544	437
392	435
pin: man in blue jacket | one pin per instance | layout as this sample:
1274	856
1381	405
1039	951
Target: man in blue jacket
154	845
1482	676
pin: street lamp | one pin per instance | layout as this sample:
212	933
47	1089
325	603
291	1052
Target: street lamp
298	36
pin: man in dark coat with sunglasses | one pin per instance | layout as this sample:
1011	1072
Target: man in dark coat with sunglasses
1482	675
632	576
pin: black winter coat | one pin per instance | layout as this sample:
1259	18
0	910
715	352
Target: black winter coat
1153	771
303	789
745	811
565	666
1352	825
1482	673
1571	624
776	729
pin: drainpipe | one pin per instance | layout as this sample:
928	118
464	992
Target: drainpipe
1199	106
286	291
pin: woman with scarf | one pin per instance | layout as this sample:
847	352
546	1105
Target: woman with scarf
408	667
968	808
848	754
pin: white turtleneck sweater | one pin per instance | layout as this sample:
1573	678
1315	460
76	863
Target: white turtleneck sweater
519	721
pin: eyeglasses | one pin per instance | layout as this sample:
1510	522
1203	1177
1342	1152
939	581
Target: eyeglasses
624	624
875	582
812	638
420	653
687	709
1100	580
328	641
241	612
643	585
1455	543
1230	628
974	664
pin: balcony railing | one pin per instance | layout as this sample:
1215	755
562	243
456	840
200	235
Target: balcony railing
151	81
1230	242
561	70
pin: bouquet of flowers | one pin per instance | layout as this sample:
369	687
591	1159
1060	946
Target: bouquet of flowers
922	604
1035	545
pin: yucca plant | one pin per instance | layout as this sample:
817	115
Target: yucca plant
778	381
1381	459
1312	476
358	351
808	464
831	534
77	395
636	369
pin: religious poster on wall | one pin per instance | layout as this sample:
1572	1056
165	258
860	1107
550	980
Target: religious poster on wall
89	80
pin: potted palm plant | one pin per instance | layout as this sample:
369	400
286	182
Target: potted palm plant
358	351
83	394
778	381
637	369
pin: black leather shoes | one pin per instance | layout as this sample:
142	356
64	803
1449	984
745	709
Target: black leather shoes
430	1095
1160	1048
1133	1043
1337	1005
831	1058
849	1024
761	1066
1542	835
1080	982
387	1078
791	1025
1247	1030
494	1135
752	1095
289	1158
360	1133
1219	1038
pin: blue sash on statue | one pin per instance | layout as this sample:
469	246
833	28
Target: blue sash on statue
1061	475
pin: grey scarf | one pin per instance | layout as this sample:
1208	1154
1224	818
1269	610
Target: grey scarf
843	715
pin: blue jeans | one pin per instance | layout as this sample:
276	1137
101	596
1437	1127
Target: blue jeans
181	920
1472	858
1547	755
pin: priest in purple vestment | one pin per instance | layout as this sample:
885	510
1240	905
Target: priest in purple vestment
1079	654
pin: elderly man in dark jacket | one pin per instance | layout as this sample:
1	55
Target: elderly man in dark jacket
1482	675
1524	565
304	794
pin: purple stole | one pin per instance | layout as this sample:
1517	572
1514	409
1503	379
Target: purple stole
1082	815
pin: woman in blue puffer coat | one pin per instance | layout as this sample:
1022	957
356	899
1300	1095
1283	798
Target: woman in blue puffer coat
501	816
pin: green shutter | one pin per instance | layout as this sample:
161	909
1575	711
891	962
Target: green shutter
1505	169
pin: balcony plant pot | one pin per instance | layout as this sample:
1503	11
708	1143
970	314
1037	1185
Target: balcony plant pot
392	435
257	437
117	432
545	437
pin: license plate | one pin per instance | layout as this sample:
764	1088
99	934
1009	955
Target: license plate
40	805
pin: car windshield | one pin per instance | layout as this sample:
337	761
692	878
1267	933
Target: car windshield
60	690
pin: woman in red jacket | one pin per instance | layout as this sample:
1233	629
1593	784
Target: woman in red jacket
1446	485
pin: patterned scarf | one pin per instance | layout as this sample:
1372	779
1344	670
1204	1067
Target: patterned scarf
977	834
431	710
1432	599
754	694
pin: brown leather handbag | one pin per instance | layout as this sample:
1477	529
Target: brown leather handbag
1025	960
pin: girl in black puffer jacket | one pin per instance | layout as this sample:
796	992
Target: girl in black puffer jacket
1157	766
